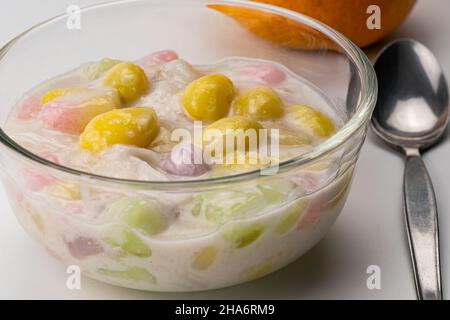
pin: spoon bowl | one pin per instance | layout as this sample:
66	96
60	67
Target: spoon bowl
413	102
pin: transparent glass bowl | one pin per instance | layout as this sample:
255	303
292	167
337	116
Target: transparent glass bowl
66	221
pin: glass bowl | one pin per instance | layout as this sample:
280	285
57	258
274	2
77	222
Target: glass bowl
66	217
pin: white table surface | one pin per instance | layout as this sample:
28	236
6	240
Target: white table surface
370	230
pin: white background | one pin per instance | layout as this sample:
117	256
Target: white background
370	230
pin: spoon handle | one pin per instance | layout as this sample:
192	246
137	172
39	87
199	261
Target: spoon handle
422	225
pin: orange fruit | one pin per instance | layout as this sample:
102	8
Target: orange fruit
347	17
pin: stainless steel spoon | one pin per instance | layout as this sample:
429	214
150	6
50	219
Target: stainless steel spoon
411	114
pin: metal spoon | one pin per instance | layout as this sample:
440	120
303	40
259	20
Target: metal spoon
411	114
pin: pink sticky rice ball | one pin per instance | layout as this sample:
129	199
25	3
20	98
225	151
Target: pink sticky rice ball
50	157
36	181
29	109
59	116
266	74
331	199
53	254
308	181
310	218
159	57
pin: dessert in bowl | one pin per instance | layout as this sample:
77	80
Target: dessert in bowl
199	167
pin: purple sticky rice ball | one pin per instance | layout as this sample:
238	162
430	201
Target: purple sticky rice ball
82	247
185	160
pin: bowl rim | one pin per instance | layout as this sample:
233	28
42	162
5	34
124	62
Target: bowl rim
364	109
